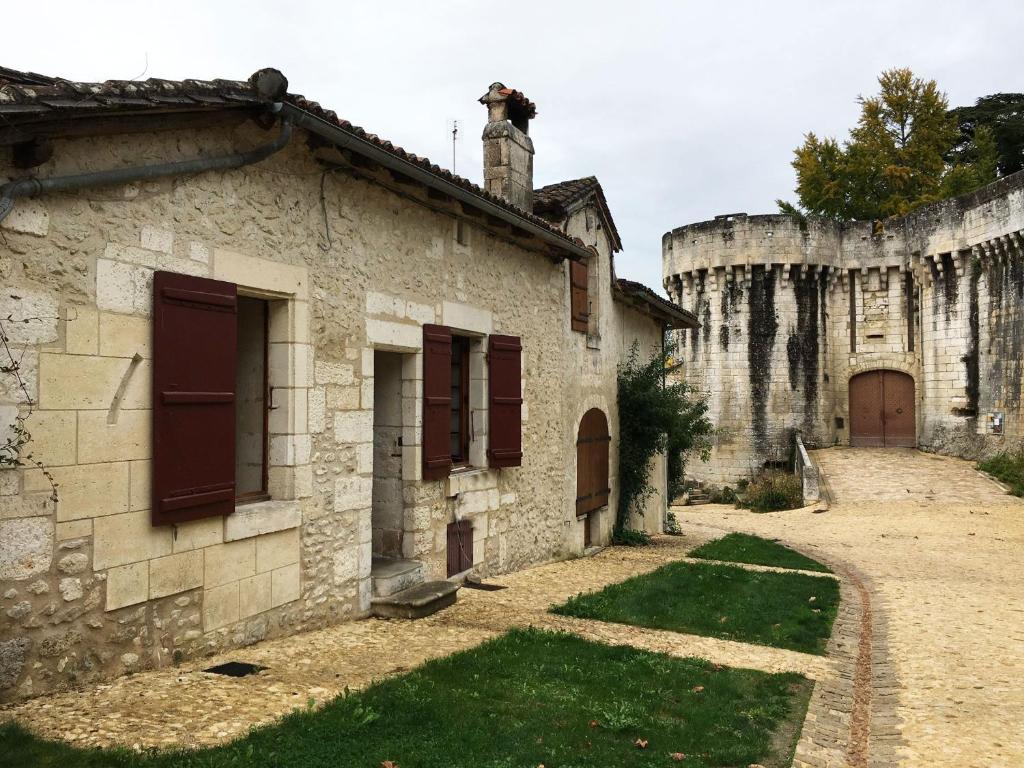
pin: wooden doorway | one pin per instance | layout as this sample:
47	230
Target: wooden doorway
882	412
592	444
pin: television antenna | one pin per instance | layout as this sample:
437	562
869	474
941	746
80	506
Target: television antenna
455	136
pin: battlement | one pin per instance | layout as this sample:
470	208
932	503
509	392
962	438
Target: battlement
739	240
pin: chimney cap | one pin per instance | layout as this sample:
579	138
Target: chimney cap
518	104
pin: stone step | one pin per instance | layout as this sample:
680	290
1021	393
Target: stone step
390	575
416	602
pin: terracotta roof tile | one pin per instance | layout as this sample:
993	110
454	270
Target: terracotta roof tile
555	200
678	317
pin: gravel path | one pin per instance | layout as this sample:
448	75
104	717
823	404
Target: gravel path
936	548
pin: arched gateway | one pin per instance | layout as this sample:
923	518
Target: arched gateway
882	410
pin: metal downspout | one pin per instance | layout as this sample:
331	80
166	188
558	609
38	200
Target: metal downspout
33	187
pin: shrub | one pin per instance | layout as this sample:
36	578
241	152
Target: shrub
628	537
772	491
672	527
1007	467
725	495
654	417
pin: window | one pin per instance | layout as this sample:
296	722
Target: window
459	421
210	416
447	427
251	401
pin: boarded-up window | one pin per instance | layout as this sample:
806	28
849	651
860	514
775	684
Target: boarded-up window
505	422
460	547
578	295
592	445
194	361
437	400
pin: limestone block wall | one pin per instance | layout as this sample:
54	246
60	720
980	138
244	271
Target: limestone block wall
882	335
935	295
89	588
613	329
760	356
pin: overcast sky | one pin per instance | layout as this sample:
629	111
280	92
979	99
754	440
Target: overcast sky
683	110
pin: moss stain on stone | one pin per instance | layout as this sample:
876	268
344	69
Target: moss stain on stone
762	326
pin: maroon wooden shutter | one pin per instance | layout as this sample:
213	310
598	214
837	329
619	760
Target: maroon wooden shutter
592	444
505	425
194	348
437	401
578	295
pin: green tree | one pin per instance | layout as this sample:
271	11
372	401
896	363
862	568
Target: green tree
895	159
1003	115
977	164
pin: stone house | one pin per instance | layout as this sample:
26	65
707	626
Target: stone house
904	333
281	370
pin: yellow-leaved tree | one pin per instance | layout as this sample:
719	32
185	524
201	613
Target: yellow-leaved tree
896	158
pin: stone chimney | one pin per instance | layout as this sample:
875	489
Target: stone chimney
508	149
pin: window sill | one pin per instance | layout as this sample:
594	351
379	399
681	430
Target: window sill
466	479
592	512
260	517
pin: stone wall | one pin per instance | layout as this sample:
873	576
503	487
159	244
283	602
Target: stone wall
936	295
90	588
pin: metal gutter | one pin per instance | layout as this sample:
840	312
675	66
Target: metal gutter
342	138
33	187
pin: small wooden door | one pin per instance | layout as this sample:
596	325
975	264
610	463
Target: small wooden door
592	445
882	410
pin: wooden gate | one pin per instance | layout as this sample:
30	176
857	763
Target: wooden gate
592	445
882	410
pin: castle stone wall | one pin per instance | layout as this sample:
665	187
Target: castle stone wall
937	295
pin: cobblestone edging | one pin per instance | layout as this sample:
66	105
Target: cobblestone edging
852	716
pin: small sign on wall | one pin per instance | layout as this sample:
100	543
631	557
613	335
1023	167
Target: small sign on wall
994	423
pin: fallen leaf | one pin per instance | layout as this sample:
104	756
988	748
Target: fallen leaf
641	743
677	756
593	723
698	689
389	764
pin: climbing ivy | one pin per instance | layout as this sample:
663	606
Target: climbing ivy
13	453
655	416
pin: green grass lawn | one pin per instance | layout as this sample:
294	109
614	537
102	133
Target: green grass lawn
525	699
1008	467
787	610
741	548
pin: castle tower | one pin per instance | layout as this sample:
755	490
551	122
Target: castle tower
907	334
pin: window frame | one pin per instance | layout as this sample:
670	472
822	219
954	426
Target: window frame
263	494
